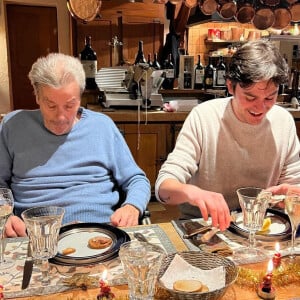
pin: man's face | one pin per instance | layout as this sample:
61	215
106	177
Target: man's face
59	107
251	104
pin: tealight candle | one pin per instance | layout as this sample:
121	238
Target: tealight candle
277	256
265	289
105	291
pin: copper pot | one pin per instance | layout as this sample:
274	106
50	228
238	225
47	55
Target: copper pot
270	2
245	13
295	12
227	10
283	18
264	18
208	7
84	11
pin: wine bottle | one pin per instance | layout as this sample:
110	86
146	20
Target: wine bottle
140	57
221	73
199	75
88	58
149	62
155	63
209	75
169	74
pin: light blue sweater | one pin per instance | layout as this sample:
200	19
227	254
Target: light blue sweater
78	170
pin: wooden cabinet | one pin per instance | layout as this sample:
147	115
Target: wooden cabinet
129	23
149	146
150	140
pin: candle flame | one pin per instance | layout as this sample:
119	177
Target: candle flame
277	247
104	274
270	266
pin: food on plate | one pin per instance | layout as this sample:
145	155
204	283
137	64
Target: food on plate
99	242
188	286
204	288
266	225
68	251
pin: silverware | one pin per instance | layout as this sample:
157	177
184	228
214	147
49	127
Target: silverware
140	237
197	231
28	266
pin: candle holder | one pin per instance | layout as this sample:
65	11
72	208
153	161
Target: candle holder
265	289
105	290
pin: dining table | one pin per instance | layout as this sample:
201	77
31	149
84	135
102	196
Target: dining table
168	231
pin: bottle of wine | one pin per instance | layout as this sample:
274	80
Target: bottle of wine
140	57
209	75
220	73
149	62
155	63
88	58
169	74
199	75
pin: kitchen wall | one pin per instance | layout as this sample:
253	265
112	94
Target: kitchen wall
64	42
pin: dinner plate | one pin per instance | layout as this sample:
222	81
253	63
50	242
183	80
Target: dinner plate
280	228
77	236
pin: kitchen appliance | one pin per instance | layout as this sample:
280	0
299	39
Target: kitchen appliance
131	86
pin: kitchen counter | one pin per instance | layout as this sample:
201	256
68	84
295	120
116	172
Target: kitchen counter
133	115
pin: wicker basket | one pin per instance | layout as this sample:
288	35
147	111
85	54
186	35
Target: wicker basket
204	261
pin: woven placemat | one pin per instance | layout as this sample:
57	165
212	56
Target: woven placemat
16	249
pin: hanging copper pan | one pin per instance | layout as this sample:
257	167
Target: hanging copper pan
263	19
270	2
84	10
295	12
227	10
191	3
208	7
245	13
282	18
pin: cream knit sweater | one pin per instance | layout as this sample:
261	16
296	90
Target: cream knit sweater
219	153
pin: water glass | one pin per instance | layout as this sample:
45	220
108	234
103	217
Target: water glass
43	224
141	262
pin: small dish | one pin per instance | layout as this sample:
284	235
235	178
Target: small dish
77	236
280	228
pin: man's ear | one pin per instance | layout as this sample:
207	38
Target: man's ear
229	86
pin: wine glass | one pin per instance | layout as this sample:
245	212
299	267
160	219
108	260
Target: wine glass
292	208
6	209
43	224
254	203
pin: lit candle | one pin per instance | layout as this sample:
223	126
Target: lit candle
277	256
105	291
265	289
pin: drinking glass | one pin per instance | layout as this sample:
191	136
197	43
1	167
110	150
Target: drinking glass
6	209
254	203
292	208
43	224
141	262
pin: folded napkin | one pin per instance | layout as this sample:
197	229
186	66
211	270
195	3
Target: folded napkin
180	269
214	245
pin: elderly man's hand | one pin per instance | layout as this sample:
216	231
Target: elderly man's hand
14	227
125	216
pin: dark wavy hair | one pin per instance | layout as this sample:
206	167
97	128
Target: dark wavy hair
257	61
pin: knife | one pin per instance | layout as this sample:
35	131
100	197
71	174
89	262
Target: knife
28	266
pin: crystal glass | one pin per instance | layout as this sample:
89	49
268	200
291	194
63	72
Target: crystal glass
141	262
6	209
254	203
43	224
292	208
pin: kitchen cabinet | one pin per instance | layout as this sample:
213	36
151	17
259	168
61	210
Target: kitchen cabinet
150	140
129	23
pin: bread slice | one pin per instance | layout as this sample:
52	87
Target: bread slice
188	286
